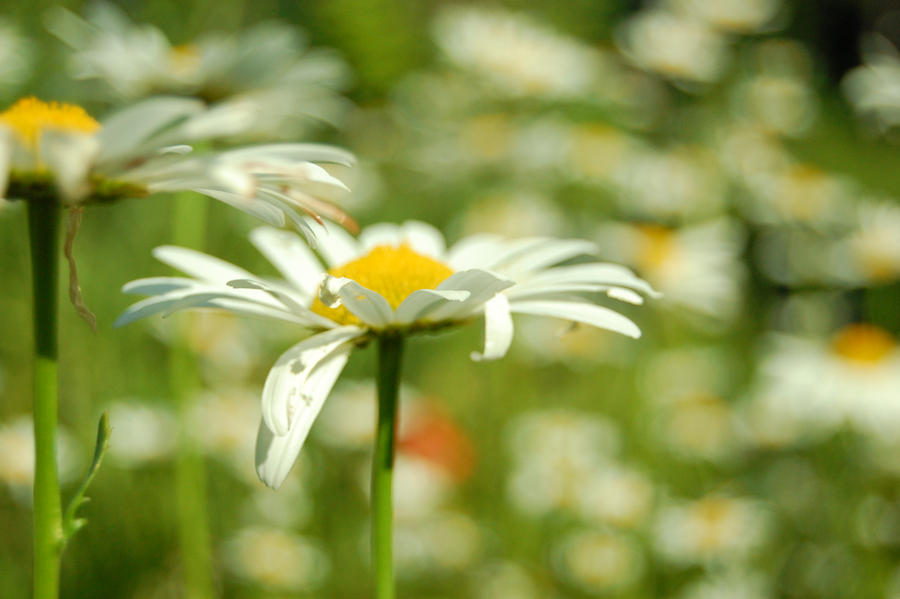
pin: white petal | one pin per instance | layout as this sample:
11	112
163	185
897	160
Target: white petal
288	297
290	256
481	285
6	149
591	314
275	455
367	305
203	266
157	285
625	295
547	253
498	329
69	157
337	246
477	251
423	302
129	128
285	397
424	238
380	234
253	206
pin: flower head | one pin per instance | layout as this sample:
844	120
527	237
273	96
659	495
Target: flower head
394	280
59	152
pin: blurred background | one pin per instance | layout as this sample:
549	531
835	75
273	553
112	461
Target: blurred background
741	155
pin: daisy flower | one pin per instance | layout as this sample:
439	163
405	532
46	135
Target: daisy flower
391	282
267	67
59	152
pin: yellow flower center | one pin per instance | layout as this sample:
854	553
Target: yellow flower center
30	117
657	246
394	272
863	344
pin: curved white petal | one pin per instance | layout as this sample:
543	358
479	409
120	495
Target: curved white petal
591	314
481	286
421	303
284	295
203	266
157	285
276	454
291	257
126	130
498	329
367	305
286	396
477	251
547	252
336	246
424	238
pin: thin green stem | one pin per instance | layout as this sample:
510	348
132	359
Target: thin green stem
43	228
188	229
390	353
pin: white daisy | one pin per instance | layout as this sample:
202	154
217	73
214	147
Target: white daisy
266	67
393	281
59	152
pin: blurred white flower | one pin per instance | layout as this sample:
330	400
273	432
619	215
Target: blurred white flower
870	254
555	453
142	433
733	16
733	583
17	456
515	53
678	47
395	280
514	213
874	87
814	385
800	193
444	541
276	560
598	562
616	495
222	423
697	266
266	67
503	579
712	529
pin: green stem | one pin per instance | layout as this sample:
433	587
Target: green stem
188	229
43	228
390	352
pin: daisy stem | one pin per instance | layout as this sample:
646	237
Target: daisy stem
43	228
188	229
390	353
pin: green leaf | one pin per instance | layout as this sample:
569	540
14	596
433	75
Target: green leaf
71	524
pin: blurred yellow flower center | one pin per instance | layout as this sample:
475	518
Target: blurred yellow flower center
657	245
30	117
863	344
394	272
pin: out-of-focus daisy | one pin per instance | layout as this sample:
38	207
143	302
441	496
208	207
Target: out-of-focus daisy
222	423
441	542
394	281
17	456
733	583
712	529
555	453
503	579
678	47
733	16
143	433
800	193
598	562
276	560
871	253
874	87
678	183
58	151
514	53
15	58
697	266
513	213
817	384
266	68
616	495
578	347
